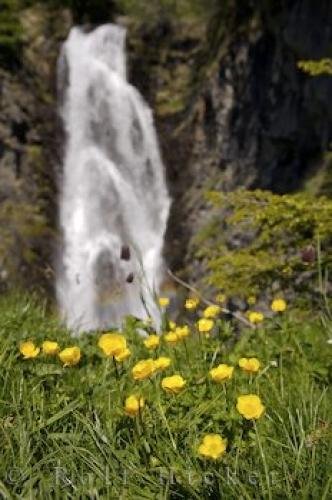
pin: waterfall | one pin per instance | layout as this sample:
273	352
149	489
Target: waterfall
114	204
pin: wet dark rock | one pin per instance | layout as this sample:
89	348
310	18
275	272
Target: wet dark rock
237	304
125	253
130	278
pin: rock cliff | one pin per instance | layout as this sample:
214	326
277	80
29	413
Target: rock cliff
232	109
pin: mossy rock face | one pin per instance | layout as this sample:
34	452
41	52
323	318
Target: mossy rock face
259	243
320	180
29	149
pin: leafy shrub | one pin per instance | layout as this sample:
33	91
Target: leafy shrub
256	240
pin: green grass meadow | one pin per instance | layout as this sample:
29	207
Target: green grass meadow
64	432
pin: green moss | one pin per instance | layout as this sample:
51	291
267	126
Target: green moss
316	67
177	9
10	30
21	223
254	241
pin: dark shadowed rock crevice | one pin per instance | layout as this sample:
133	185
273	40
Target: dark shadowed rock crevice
253	119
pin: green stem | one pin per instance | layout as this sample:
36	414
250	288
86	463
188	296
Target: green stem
267	477
187	353
116	369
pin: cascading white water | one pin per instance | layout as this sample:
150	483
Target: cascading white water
114	203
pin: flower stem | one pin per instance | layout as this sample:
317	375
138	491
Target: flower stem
116	368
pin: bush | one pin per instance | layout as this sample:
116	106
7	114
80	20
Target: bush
257	240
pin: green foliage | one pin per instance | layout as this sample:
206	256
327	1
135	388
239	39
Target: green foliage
64	433
316	67
255	239
10	30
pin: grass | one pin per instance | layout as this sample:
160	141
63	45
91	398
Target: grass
64	434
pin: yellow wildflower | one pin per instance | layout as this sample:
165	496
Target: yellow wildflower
173	384
152	341
163	301
171	337
211	311
133	405
70	356
182	331
250	406
162	363
220	298
205	325
251	300
29	350
221	373
213	446
249	365
143	369
50	348
255	317
123	355
172	325
191	303
112	344
278	305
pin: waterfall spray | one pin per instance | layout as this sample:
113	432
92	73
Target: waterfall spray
114	203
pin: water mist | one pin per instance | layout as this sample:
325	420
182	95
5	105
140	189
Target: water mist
114	204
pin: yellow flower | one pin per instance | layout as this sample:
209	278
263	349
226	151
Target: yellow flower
205	325
143	369
251	300
278	305
173	384
50	348
70	356
178	334
182	331
250	406
255	317
123	355
221	373
211	311
171	337
152	342
220	298
191	304
162	363
112	344
212	446
163	301
133	405
29	350
249	365
172	325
